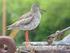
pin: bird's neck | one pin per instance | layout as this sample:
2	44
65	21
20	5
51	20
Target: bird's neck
35	11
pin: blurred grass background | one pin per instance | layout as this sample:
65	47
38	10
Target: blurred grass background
56	17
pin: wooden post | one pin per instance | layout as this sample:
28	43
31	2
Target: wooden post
27	38
4	18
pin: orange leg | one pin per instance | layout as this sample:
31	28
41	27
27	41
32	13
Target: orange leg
27	38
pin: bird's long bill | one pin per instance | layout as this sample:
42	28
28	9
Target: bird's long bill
42	10
27	38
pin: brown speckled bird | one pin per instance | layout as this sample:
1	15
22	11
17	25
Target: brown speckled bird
53	37
56	36
28	21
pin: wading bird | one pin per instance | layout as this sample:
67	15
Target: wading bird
28	21
64	41
57	35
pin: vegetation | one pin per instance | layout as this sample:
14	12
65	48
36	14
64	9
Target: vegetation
56	17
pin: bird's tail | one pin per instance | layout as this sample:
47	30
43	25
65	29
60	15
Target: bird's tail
10	27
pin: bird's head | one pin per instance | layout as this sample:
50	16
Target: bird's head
35	7
50	39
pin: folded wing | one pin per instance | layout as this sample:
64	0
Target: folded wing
21	22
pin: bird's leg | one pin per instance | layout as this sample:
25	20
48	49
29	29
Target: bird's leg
27	38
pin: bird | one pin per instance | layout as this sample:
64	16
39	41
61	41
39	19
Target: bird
28	21
64	41
54	37
58	35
